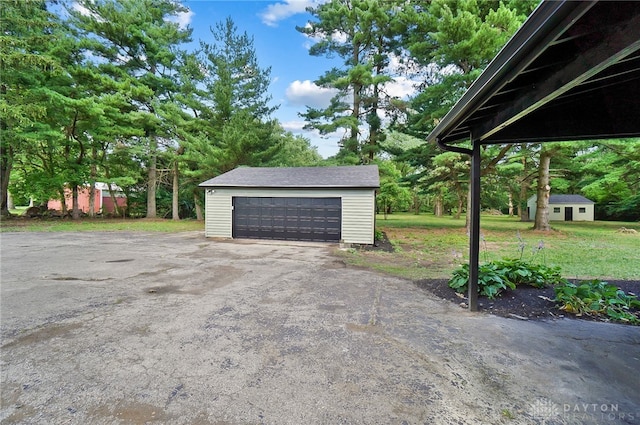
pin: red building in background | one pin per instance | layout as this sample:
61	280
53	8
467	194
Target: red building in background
103	201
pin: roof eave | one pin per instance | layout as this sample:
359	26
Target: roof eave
545	23
235	186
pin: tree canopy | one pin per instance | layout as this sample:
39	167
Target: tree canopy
109	91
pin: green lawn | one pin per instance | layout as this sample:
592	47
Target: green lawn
99	225
432	247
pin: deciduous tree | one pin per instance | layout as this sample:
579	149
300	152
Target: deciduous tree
28	37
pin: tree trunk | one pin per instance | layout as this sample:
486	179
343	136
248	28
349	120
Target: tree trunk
63	202
458	209
510	204
175	196
438	209
152	178
460	197
353	139
114	200
75	211
6	163
10	204
416	202
112	195
357	100
523	211
92	199
467	219
92	180
542	205
196	202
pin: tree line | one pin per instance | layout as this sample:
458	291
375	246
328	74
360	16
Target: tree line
108	91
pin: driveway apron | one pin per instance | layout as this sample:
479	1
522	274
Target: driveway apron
131	328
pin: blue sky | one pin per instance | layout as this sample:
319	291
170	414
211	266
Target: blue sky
278	45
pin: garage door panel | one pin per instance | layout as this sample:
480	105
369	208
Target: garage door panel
290	218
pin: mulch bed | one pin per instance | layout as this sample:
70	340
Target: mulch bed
526	302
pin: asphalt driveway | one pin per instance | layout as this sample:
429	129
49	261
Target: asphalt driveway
108	328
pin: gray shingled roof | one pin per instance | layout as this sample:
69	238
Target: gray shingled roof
359	176
569	199
566	199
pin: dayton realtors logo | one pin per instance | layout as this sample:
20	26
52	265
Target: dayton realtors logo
545	410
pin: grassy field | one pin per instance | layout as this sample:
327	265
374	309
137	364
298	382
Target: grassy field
432	247
426	246
99	225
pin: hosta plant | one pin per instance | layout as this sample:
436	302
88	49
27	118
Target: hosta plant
490	280
523	272
497	276
598	298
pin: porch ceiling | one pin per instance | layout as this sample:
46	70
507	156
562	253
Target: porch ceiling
572	72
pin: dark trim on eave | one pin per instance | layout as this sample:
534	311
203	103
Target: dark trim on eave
547	21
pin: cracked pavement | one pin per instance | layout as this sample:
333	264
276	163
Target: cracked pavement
131	328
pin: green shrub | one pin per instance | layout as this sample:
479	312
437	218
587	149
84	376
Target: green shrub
523	272
598	298
497	276
490	281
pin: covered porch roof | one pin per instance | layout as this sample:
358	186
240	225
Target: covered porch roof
571	72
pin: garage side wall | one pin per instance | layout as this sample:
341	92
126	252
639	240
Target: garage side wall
217	221
358	216
358	209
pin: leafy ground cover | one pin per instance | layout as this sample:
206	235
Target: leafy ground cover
526	302
429	250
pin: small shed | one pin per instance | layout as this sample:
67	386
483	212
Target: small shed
565	208
331	204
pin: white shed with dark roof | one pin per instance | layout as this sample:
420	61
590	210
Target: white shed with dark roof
565	208
332	204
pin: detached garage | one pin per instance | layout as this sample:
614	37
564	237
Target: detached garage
329	204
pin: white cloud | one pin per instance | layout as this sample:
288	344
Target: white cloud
307	93
183	19
310	40
293	126
86	12
327	145
279	11
81	9
337	36
401	87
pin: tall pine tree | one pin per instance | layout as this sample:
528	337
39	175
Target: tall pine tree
136	41
363	34
233	125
